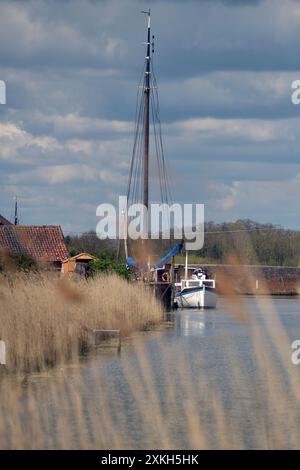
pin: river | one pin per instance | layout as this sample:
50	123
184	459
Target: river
207	379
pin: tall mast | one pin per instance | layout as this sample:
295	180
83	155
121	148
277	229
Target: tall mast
138	181
146	117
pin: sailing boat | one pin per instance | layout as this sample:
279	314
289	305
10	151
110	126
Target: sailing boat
147	112
142	164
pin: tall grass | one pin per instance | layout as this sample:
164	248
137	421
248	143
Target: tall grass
44	320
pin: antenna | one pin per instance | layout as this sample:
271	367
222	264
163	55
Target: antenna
16	220
147	13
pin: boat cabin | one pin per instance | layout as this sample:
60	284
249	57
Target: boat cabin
190	283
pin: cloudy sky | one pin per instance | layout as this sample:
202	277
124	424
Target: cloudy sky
224	68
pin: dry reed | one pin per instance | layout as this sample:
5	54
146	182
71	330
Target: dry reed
44	320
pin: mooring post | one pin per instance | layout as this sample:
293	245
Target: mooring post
2	353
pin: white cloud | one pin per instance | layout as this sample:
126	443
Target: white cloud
226	197
75	124
16	143
66	173
251	129
256	200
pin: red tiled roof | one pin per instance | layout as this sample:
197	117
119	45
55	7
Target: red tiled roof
42	243
4	221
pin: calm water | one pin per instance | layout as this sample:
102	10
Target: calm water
201	356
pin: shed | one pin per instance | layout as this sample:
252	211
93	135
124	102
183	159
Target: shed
77	263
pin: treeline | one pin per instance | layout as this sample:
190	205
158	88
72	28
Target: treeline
253	242
90	243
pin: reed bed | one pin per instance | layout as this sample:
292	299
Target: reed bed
45	320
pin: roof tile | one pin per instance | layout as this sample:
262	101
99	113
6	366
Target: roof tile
4	221
42	243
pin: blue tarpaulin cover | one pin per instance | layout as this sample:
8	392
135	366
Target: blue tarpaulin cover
131	262
177	249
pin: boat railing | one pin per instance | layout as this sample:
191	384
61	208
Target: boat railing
195	283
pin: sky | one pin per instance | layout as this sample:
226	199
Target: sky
224	70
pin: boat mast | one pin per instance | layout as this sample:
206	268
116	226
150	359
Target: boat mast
146	120
147	109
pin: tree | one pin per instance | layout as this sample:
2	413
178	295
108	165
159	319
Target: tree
16	261
106	264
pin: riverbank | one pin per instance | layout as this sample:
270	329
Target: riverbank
44	319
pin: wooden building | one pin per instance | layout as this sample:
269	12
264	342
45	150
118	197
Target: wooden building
4	221
77	263
44	244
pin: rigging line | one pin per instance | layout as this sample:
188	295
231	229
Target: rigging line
136	196
134	152
162	176
165	164
137	110
138	153
133	162
157	146
137	97
160	173
137	174
133	180
162	170
161	142
160	165
157	151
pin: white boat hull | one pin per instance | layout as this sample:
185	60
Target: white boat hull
196	298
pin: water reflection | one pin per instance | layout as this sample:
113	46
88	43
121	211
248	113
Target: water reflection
194	323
